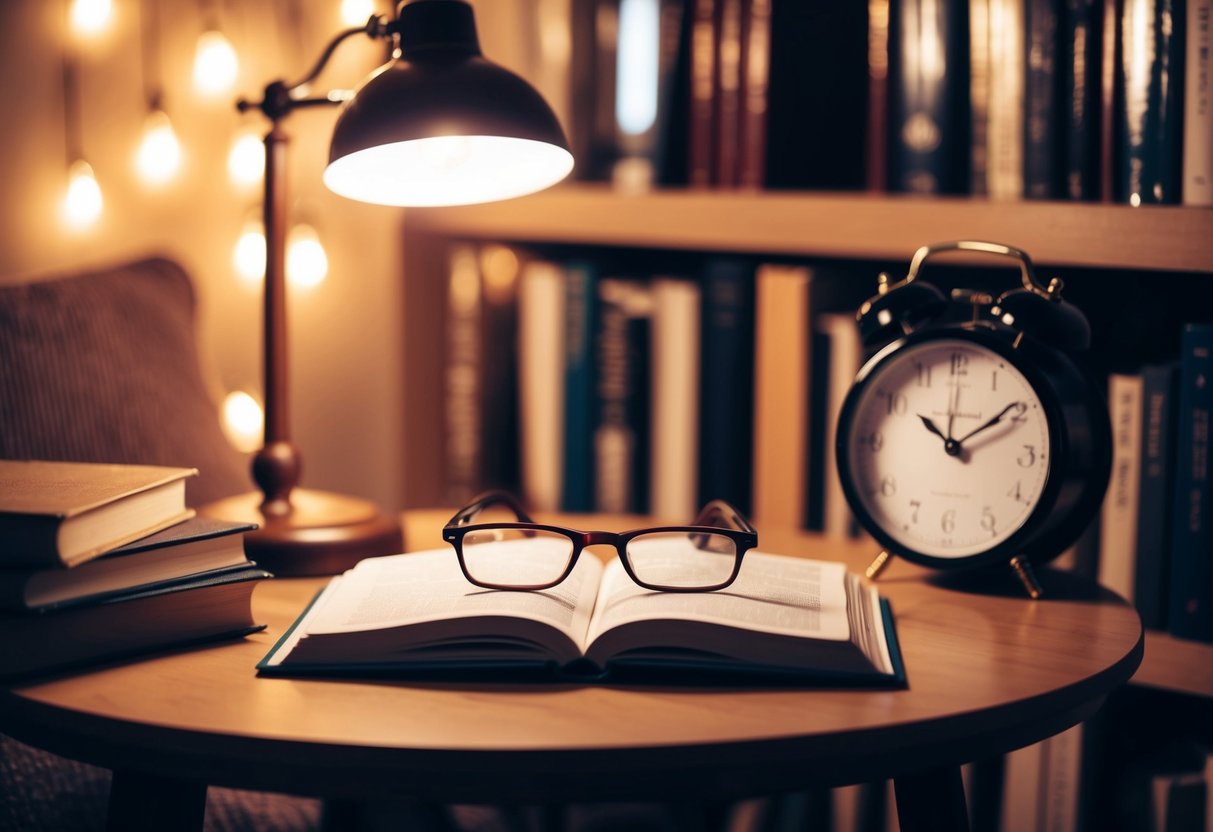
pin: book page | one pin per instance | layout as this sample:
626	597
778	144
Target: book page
398	590
773	593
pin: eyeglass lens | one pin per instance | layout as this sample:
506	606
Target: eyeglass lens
685	560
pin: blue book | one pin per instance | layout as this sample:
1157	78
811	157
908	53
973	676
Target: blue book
1157	472
577	490
726	391
1191	608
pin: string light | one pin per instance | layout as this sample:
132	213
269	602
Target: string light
91	17
159	155
243	421
246	160
307	263
356	12
215	64
83	203
248	258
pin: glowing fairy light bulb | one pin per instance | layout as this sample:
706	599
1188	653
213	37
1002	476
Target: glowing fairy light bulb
306	261
215	64
248	258
83	202
159	155
243	421
356	12
246	160
91	17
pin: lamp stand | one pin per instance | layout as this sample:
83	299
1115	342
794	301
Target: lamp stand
300	531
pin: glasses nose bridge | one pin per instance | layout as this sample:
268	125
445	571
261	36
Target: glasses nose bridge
601	539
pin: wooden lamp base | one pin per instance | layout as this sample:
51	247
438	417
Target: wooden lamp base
321	534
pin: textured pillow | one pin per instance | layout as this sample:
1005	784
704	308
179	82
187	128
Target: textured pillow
103	367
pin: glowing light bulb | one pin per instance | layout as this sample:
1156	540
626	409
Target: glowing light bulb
356	12
243	421
83	202
306	261
248	258
215	64
159	155
246	160
91	17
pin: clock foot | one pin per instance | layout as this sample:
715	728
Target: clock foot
877	566
1027	577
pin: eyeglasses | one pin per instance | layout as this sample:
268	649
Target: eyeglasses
525	555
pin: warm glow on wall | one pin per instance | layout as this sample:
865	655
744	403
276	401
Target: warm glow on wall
82	204
246	160
243	421
248	258
307	263
159	155
215	64
356	12
91	17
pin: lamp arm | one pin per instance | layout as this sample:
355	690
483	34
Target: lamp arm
375	27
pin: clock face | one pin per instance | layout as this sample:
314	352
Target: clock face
948	450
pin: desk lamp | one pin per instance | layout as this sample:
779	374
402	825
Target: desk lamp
437	125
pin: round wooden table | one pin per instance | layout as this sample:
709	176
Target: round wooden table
988	670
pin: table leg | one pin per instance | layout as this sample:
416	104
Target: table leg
141	801
932	801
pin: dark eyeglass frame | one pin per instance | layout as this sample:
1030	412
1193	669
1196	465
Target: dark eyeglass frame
743	535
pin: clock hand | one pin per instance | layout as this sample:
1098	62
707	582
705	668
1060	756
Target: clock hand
950	446
991	423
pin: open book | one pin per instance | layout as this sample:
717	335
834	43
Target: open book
783	616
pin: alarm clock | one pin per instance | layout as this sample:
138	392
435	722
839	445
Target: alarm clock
971	443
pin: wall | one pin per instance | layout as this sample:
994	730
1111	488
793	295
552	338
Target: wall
346	349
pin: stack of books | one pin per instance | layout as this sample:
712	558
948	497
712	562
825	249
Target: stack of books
104	561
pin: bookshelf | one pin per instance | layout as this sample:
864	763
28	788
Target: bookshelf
1170	239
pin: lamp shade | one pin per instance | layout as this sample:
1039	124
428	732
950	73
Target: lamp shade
441	125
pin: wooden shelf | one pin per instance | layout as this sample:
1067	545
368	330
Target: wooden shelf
859	226
1176	664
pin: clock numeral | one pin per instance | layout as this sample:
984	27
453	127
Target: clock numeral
959	364
948	521
1016	492
1028	458
1019	414
987	521
915	505
874	440
895	404
888	486
994	381
924	374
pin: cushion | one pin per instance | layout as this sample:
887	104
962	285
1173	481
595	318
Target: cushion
104	367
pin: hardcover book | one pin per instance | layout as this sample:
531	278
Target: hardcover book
783	617
197	545
65	513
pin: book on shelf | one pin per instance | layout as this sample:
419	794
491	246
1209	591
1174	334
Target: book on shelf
674	436
783	617
1190	612
580	380
194	546
1157	478
704	69
1042	116
997	85
1118	518
621	413
929	96
726	410
1198	105
64	513
1149	119
1081	50
845	350
203	608
541	310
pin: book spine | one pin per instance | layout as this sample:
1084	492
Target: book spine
845	355
979	96
877	138
541	382
675	341
1004	131
728	94
1118	529
1110	97
1040	100
621	426
577	481
701	155
818	383
930	104
1080	98
1190	614
755	87
1198	105
1157	455
463	378
29	540
726	394
1151	34
499	420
